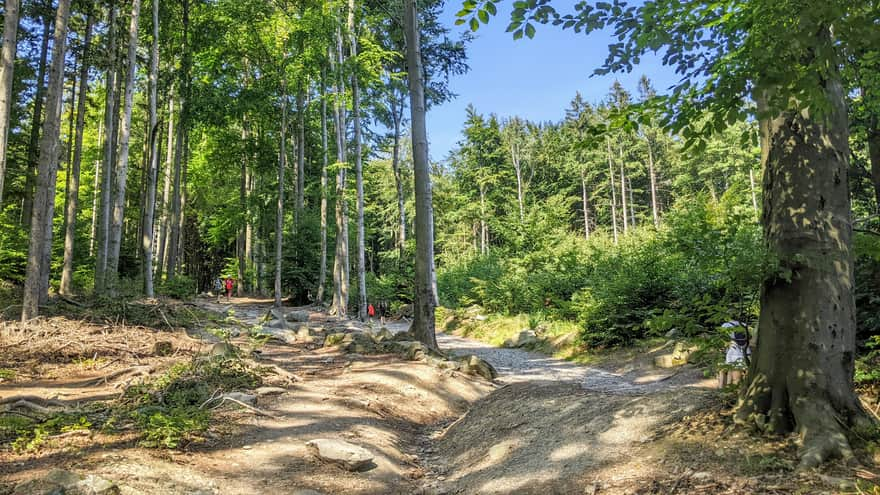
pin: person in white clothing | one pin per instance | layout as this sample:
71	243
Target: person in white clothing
738	355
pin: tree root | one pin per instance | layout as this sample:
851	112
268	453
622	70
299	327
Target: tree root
47	411
135	370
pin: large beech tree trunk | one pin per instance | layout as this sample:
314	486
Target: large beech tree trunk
108	154
7	66
358	166
339	306
423	323
73	189
801	377
47	169
322	274
655	211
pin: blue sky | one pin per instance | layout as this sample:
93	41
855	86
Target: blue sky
535	79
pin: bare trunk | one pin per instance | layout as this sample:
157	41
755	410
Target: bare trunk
752	189
300	156
179	151
425	296
339	306
358	167
36	122
41	222
279	214
613	194
397	116
107	160
96	191
7	67
654	210
801	378
874	152
122	167
73	189
322	277
484	229
585	204
243	206
149	208
632	204
166	192
623	194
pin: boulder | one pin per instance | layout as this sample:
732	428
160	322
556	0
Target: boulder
280	324
344	454
224	349
473	365
405	311
262	391
382	335
274	314
334	339
525	338
61	482
297	316
359	343
411	349
403	336
679	356
304	335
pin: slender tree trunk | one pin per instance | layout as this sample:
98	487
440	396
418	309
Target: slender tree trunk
179	151
484	228
41	223
425	296
166	192
73	191
585	204
7	67
397	117
242	204
752	189
632	204
358	167
801	378
613	186
653	175
300	155
623	193
279	214
36	122
322	276
107	165
339	306
122	167
96	191
71	120
149	208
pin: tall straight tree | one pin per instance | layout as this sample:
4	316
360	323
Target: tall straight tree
124	141
166	190
279	214
322	274
423	323
48	166
149	208
339	306
36	122
7	66
73	190
358	162
180	150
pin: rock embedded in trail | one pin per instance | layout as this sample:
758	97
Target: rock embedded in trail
61	482
347	455
474	365
525	338
297	316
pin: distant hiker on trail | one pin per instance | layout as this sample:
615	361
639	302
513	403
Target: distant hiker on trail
229	285
736	361
371	311
218	288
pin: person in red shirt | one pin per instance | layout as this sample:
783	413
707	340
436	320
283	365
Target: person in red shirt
229	284
371	311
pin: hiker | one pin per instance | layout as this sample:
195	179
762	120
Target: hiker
218	288
371	311
229	284
739	352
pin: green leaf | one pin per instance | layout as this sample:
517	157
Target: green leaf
484	16
460	21
517	34
530	31
474	24
490	7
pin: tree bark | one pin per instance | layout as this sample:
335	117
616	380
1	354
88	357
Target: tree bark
801	378
96	192
243	206
36	123
179	150
149	208
122	167
300	155
397	116
7	67
623	194
322	275
109	152
585	204
874	152
423	324
752	189
161	256
613	194
73	191
654	210
279	214
48	167
358	166
339	306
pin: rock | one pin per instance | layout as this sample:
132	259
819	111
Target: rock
474	365
382	335
61	482
405	311
411	349
248	399
347	455
304	491
668	361
224	349
524	339
297	316
261	391
403	337
304	335
359	343
673	333
279	324
163	348
274	314
481	317
334	339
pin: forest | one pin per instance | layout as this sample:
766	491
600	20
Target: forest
148	149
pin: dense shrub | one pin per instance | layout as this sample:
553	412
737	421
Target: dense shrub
178	287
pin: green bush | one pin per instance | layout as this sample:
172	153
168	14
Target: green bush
178	287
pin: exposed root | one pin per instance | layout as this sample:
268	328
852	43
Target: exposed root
34	399
25	404
290	377
226	398
134	370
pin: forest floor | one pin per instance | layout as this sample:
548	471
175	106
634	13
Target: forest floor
543	426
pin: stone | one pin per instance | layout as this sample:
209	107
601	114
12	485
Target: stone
223	349
274	314
525	338
304	491
473	365
403	336
382	335
411	349
163	348
248	399
347	455
61	482
481	317
94	485
279	324
673	333
701	476
359	342
297	316
304	335
334	339
261	391
668	361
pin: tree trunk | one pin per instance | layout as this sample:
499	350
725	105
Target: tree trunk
322	276
149	208
73	191
613	194
49	154
96	191
243	206
632	204
36	122
423	307
484	229
300	156
358	166
279	215
874	152
623	194
122	167
585	204
7	66
108	155
801	378
654	211
166	192
397	117
752	189
179	151
339	306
